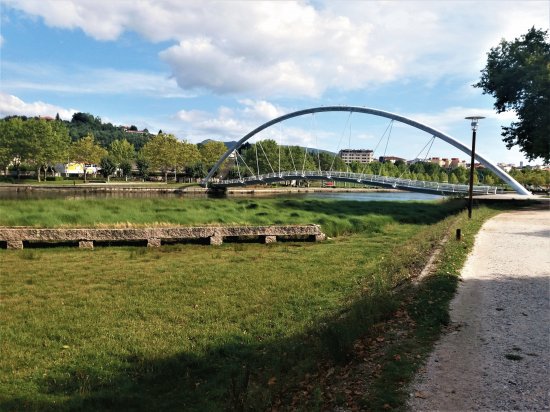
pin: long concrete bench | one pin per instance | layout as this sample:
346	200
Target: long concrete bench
14	237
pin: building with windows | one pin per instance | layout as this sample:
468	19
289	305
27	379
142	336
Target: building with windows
390	159
356	155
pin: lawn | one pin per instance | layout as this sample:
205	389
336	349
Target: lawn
199	328
335	217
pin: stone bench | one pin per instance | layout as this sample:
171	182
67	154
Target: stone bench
14	237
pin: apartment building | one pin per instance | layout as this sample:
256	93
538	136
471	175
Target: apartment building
356	155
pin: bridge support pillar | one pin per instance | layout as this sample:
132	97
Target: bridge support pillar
14	244
270	239
86	244
216	240
153	242
320	237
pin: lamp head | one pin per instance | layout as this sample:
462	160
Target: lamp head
475	120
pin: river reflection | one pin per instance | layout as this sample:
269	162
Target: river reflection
354	196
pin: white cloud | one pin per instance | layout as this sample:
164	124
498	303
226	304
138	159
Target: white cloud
453	116
192	116
302	49
85	80
1	40
262	109
12	105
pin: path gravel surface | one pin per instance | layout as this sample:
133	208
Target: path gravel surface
496	355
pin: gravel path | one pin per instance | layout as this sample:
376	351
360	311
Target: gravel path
497	355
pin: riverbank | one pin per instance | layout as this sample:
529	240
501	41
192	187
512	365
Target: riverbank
174	188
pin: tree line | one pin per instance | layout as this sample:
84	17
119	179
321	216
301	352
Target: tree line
40	144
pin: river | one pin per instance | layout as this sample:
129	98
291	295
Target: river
358	196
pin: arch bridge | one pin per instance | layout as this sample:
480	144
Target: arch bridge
367	179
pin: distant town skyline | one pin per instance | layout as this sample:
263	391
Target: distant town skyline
216	70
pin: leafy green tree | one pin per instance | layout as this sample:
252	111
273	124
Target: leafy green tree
453	179
211	151
142	167
108	167
86	150
197	170
161	153
126	168
121	151
488	180
47	143
188	154
517	75
11	142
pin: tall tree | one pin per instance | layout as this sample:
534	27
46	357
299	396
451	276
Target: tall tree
161	153
47	142
11	142
211	151
86	150
517	75
108	167
121	151
187	154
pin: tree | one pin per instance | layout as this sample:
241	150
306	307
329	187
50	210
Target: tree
11	142
108	167
161	153
48	143
188	154
517	75
197	170
85	151
211	151
121	151
142	167
126	168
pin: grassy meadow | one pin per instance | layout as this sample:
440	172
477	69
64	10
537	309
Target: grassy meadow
201	328
335	217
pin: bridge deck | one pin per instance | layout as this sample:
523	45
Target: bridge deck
360	178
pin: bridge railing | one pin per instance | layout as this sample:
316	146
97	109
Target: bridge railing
362	178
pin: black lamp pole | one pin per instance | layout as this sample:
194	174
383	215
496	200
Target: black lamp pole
475	120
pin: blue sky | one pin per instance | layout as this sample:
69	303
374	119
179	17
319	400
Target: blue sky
205	69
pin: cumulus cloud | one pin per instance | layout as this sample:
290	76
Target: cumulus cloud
11	105
300	48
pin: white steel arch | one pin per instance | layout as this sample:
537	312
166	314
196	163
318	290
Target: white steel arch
356	109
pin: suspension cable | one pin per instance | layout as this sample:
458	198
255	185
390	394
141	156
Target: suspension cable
341	137
430	142
266	158
304	162
280	141
238	167
244	162
292	159
376	147
385	149
257	162
316	141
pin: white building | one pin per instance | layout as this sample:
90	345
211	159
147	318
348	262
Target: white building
356	155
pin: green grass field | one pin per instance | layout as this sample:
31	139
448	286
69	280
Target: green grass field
200	328
335	217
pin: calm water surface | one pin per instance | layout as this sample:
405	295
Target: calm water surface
359	196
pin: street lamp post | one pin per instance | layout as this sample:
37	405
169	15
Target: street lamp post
474	121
